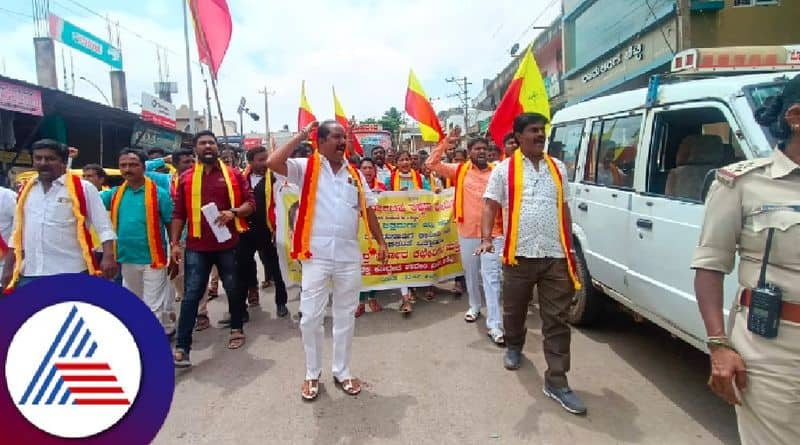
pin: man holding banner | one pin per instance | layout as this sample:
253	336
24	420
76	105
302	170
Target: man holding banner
333	195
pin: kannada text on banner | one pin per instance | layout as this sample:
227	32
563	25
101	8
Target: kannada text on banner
418	230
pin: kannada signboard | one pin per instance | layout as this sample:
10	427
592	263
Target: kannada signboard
86	42
147	136
20	98
158	111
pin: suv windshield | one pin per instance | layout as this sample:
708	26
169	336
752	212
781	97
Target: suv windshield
757	95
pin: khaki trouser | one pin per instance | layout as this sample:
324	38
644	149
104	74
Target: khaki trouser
770	410
555	296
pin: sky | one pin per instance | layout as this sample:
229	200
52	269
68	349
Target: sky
363	48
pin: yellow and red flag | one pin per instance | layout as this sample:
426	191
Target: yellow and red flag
305	116
212	28
419	108
525	94
341	118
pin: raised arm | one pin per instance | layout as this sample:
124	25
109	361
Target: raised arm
434	161
277	160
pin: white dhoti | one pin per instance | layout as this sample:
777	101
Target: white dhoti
152	287
320	279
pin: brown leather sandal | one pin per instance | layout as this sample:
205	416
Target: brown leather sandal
236	339
351	386
202	323
374	306
310	389
252	296
406	307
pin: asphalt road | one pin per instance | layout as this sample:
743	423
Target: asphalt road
434	379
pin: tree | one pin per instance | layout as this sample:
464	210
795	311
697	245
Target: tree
370	120
392	120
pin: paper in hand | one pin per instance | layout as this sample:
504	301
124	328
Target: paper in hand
211	213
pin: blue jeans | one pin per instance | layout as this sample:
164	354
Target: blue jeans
197	268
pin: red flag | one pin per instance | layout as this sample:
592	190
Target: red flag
341	118
525	94
213	28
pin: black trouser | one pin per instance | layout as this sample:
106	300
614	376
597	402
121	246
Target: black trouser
197	268
249	244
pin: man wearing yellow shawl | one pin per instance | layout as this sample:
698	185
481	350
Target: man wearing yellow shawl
334	197
209	182
532	188
52	220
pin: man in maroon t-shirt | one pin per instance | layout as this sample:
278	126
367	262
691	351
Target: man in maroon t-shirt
204	251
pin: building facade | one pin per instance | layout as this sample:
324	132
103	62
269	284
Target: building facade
547	49
616	45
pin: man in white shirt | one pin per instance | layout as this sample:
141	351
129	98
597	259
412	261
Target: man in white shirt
49	239
541	258
335	252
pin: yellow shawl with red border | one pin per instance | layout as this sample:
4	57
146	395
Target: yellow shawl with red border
194	188
155	239
515	185
301	242
79	209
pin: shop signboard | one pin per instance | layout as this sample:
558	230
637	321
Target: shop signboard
148	136
253	142
85	42
19	98
635	51
158	111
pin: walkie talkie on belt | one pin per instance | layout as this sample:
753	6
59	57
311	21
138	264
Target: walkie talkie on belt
766	300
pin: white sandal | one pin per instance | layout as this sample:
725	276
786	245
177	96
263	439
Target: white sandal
471	317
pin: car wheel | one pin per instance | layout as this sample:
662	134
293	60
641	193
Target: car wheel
588	304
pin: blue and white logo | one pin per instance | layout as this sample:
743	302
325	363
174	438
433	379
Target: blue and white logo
88	375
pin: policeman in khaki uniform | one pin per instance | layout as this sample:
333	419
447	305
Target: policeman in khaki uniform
757	367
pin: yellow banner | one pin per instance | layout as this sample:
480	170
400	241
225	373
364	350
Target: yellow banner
418	229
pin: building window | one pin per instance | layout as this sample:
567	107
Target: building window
755	2
608	24
565	141
611	158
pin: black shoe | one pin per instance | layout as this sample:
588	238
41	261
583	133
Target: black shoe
283	311
512	359
568	399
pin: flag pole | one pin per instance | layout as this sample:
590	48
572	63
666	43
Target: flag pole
203	41
188	70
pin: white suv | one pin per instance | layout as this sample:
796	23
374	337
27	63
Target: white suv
639	173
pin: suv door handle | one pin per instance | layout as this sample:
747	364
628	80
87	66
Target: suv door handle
644	224
583	206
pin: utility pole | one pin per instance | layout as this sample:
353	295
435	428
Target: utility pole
192	128
463	86
267	93
684	25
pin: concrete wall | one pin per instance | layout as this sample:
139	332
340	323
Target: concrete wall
744	26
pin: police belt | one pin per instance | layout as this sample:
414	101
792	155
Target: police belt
789	311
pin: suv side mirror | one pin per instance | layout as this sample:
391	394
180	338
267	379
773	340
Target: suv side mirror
707	181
